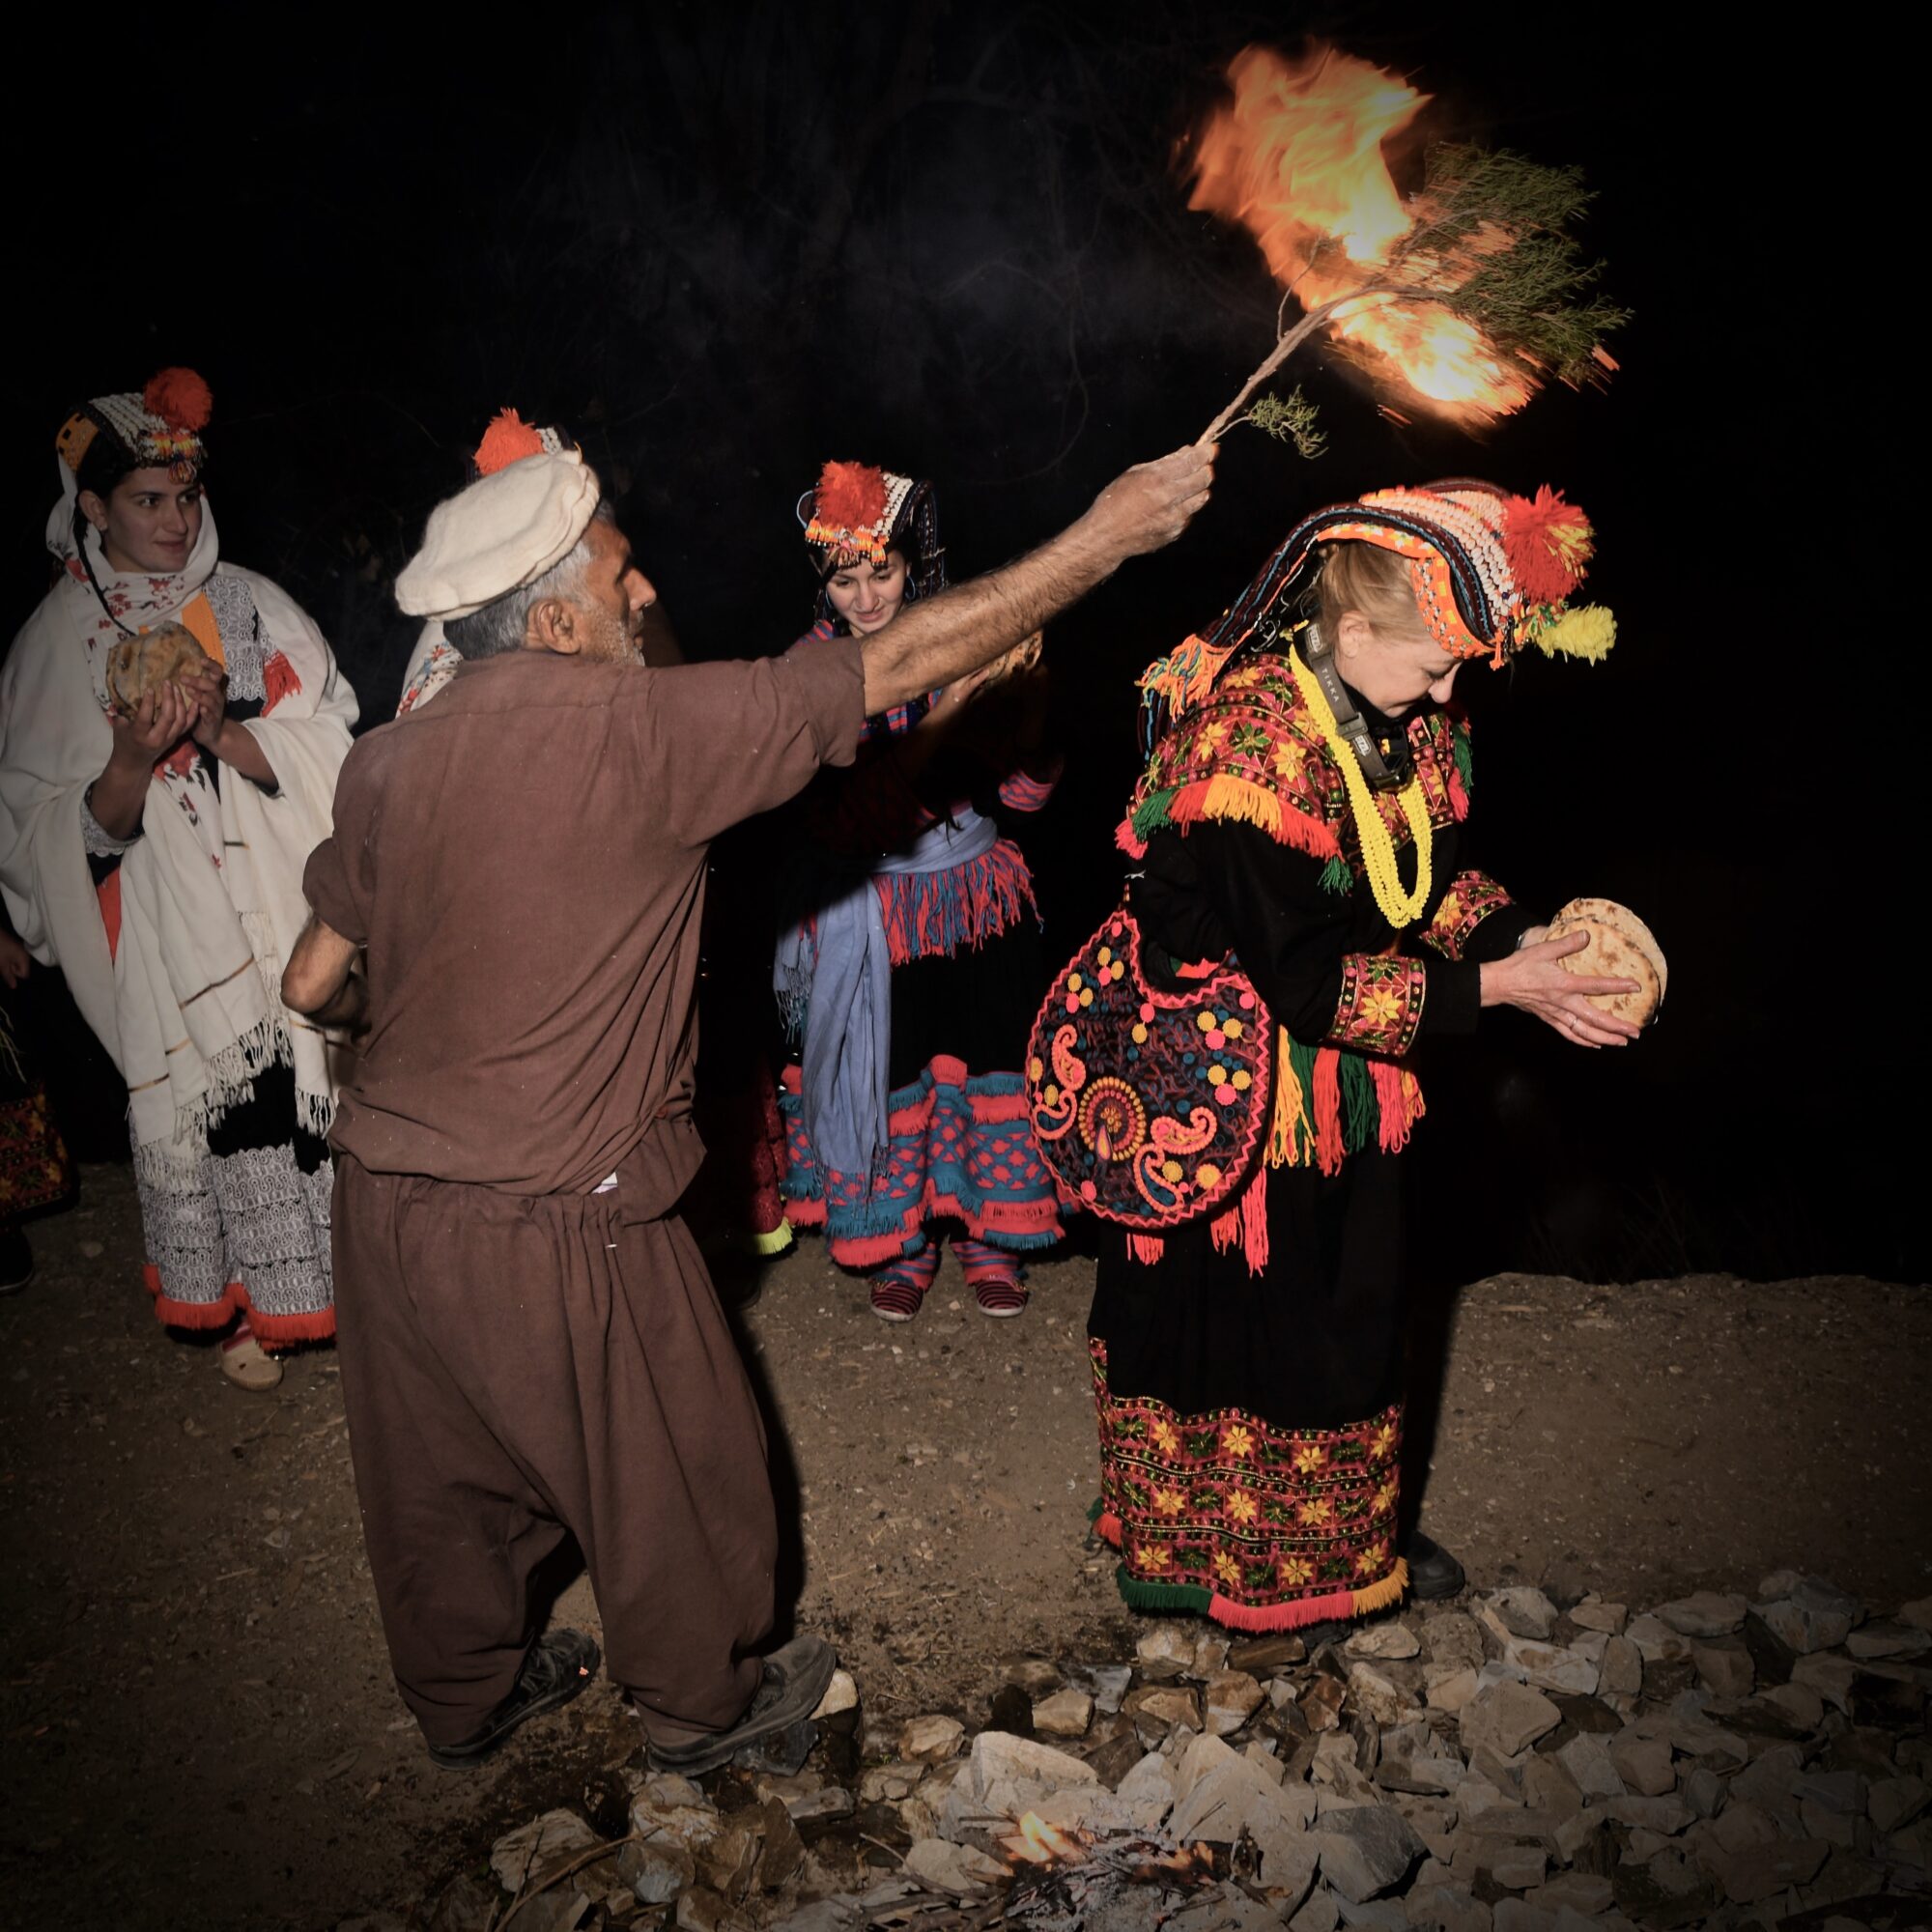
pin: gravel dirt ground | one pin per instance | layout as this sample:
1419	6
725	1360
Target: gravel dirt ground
200	1726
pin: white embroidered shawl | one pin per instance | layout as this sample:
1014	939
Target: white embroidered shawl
188	1002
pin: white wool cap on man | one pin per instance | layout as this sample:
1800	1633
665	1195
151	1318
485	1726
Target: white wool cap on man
501	532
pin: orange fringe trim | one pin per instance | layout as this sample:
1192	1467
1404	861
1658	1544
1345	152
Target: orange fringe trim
1226	797
272	1331
1312	1609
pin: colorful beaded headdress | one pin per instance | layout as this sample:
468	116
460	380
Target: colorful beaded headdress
1492	573
857	513
160	428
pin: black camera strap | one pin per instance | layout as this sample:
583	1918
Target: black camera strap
1383	770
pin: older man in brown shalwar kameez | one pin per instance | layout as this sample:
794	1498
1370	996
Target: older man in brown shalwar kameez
531	1346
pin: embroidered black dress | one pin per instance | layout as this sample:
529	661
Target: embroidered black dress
1250	1421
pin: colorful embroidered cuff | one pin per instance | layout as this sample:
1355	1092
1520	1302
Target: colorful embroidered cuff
1471	898
1381	1007
1021	792
97	840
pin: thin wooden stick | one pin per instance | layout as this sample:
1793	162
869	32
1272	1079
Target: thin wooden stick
1317	318
1283	349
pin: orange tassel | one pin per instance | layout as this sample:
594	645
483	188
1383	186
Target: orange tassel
508	439
180	398
1147	1249
1391	1103
1226	1229
1255	1221
850	495
1329	1152
278	681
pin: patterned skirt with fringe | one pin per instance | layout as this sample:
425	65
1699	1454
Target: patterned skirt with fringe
1251	1425
239	1224
962	1150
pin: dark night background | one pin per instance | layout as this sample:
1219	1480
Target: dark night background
723	245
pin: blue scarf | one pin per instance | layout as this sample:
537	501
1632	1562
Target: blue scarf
833	977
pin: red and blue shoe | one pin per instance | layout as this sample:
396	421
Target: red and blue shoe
995	1278
899	1286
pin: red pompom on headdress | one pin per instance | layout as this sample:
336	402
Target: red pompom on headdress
508	439
850	495
180	398
1548	543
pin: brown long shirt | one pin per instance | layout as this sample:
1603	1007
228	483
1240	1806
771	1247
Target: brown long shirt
525	860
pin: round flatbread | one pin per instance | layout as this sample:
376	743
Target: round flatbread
135	665
1621	947
1621	918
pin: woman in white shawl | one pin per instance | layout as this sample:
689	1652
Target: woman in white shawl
157	858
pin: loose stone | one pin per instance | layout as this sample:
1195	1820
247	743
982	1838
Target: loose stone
1724	1669
1367	1851
1621	1673
931	1737
1517	1867
840	1694
1508	1718
1163	1706
1035	1675
1390	1640
1067	1714
1524	1611
1704	1613
1609	1618
1231	1697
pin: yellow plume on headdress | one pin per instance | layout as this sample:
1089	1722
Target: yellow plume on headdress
1585	631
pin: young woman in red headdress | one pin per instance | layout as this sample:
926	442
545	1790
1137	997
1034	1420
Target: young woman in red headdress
912	966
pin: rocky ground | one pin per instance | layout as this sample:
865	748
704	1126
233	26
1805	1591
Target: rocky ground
197	1706
1508	1763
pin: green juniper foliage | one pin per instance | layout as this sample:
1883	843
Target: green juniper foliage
1491	243
1535	298
1291	418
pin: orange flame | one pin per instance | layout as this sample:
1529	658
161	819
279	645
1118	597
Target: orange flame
1038	1843
1297	156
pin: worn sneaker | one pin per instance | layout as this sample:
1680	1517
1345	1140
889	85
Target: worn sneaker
796	1677
559	1666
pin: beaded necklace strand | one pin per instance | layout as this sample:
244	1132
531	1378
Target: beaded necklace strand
1379	856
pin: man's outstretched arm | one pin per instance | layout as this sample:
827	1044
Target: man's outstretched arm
937	640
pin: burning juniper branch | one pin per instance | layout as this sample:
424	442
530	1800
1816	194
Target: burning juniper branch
1463	297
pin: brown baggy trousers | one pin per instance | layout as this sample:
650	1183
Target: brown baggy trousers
516	1366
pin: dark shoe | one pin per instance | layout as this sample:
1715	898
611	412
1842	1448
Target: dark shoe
796	1678
1432	1573
557	1668
16	1261
1332	1629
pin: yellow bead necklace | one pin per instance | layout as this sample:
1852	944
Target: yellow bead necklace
1379	856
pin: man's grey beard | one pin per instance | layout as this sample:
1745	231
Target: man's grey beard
620	641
